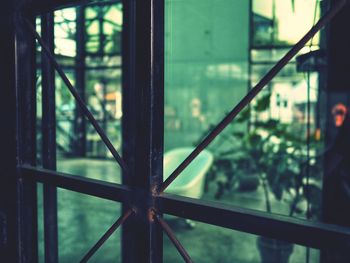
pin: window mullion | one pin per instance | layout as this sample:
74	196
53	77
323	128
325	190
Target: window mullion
143	114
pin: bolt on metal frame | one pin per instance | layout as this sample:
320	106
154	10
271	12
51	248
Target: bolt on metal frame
142	193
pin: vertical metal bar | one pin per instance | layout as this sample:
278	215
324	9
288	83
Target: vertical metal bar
336	83
104	105
128	119
308	141
26	129
143	114
49	141
250	59
8	110
79	120
101	35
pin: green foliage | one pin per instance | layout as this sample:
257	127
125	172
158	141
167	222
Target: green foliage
293	5
263	103
273	153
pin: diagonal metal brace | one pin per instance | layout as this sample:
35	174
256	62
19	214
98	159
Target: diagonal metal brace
106	235
77	97
173	239
254	92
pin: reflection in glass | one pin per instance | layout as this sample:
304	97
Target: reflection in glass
88	48
82	220
271	157
206	71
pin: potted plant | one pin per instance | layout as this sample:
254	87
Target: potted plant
278	158
274	160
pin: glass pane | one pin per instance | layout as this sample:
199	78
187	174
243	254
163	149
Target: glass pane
272	157
106	170
96	75
206	65
206	243
82	220
87	46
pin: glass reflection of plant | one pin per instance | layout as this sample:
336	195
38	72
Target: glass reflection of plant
276	156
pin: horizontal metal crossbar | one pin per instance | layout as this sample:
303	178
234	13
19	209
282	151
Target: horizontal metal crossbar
101	189
254	92
306	233
77	97
107	235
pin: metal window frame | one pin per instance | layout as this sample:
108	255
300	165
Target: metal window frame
142	191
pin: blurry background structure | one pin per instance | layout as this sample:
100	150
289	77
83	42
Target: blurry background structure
214	54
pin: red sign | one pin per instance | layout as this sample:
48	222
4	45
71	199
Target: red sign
339	112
